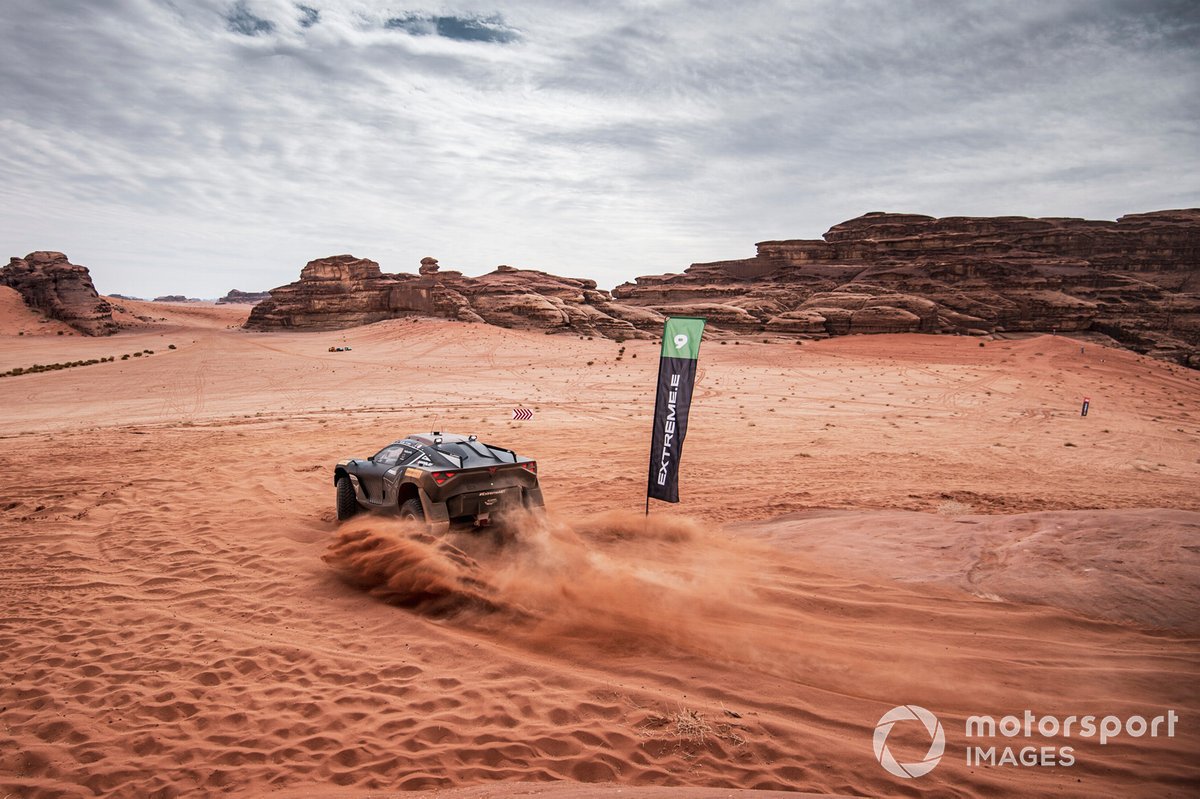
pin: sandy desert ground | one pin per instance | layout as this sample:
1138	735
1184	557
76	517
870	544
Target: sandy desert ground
866	522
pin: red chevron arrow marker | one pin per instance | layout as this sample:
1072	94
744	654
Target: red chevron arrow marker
523	414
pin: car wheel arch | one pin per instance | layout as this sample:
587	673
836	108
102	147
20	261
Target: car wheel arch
405	492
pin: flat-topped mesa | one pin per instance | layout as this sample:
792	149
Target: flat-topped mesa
243	297
344	268
1136	279
61	290
344	291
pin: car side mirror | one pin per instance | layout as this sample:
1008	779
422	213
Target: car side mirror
371	458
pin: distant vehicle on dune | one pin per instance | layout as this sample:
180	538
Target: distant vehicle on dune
438	479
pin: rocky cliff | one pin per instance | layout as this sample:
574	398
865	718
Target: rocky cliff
51	284
342	291
1136	280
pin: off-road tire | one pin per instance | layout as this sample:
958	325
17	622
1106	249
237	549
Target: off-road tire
347	503
412	510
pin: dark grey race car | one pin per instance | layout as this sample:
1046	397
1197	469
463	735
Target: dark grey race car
438	478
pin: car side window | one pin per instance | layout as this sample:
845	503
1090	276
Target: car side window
389	456
407	454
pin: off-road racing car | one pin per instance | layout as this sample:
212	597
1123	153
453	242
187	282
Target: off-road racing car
438	478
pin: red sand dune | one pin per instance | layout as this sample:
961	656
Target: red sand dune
867	522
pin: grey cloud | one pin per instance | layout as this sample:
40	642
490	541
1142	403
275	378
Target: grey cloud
464	29
241	21
171	152
309	16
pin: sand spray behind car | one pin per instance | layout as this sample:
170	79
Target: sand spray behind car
611	581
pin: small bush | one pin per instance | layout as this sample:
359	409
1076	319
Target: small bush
172	346
125	357
589	363
60	332
137	355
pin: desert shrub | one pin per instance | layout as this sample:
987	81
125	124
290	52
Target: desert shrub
170	346
137	355
125	357
60	332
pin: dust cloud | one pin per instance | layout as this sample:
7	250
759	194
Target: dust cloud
616	581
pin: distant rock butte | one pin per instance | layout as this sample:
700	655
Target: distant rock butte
243	297
61	290
1136	280
176	298
343	291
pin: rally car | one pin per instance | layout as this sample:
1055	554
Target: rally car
438	479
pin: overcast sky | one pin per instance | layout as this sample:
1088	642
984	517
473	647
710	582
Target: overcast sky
194	146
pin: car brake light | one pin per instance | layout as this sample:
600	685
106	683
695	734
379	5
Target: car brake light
530	467
442	477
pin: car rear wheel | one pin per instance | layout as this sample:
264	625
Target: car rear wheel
412	511
347	503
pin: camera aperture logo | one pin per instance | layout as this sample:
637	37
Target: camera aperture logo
936	747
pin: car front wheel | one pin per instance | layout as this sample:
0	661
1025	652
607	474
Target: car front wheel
347	503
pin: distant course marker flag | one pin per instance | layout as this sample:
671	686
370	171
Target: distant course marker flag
1086	402
523	414
676	376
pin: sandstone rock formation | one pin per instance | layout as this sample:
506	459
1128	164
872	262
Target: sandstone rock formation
175	298
1136	280
343	291
243	297
49	283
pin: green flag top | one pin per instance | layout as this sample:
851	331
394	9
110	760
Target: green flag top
681	337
